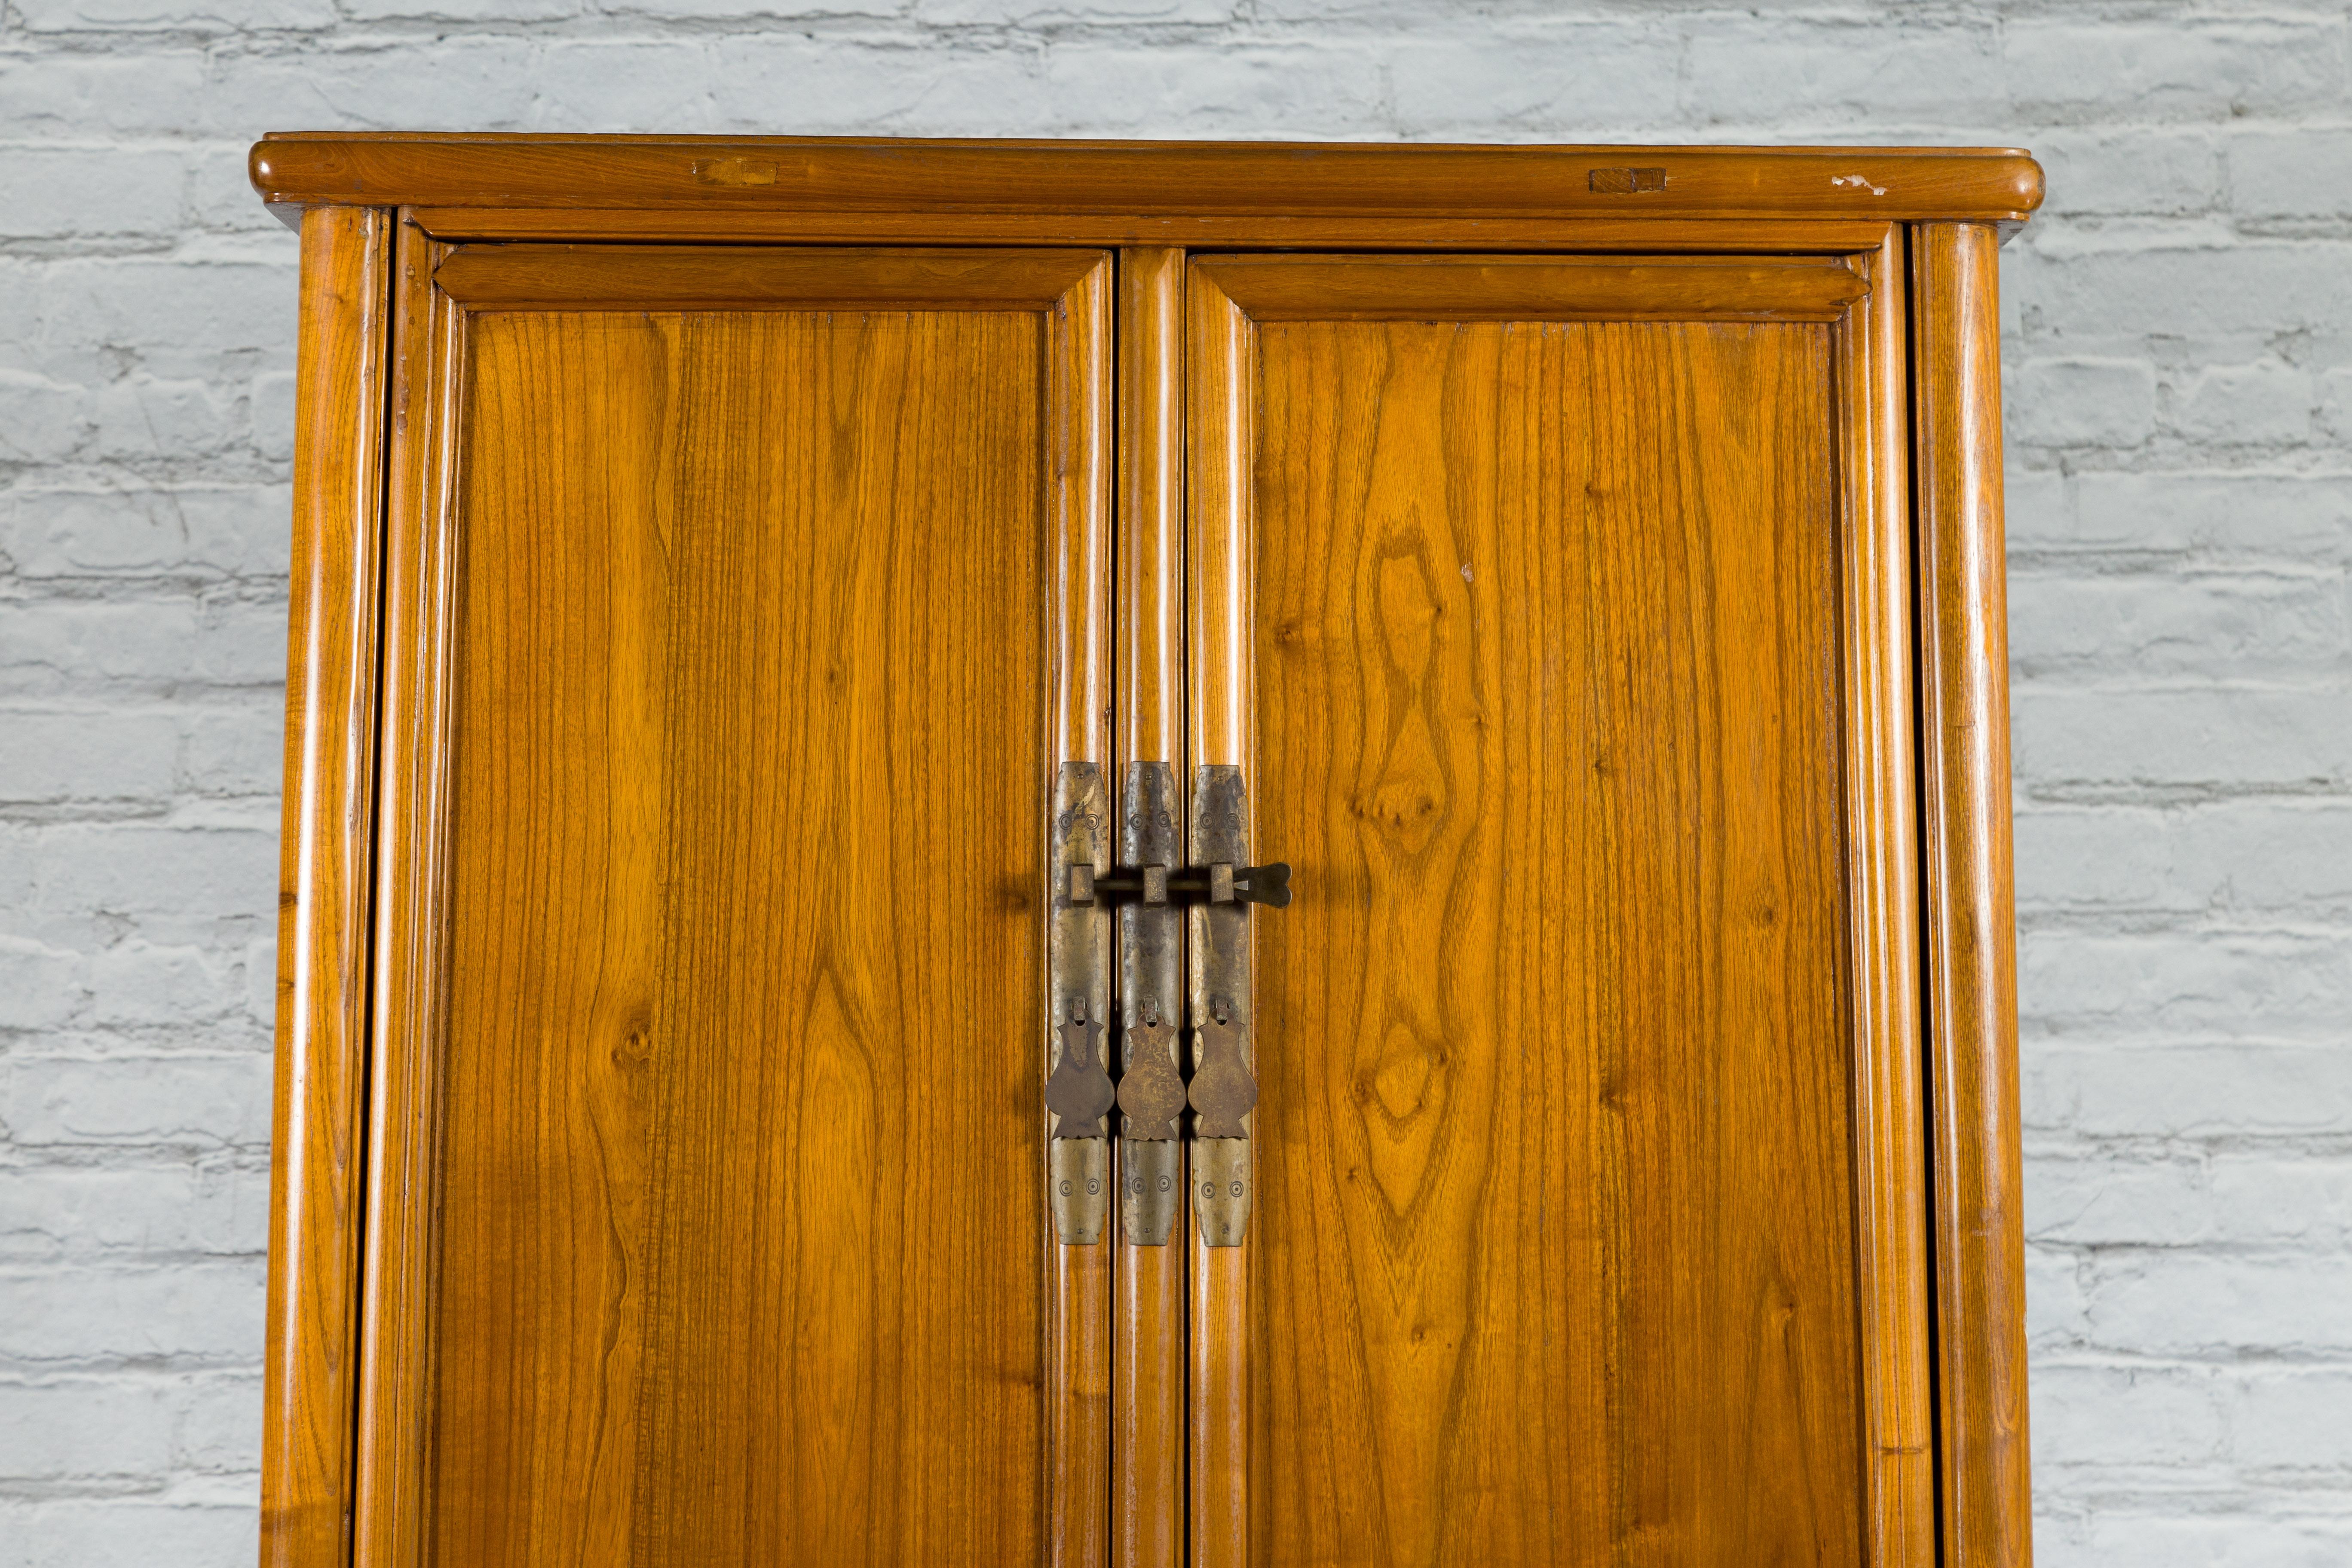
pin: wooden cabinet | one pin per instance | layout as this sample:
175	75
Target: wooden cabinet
798	647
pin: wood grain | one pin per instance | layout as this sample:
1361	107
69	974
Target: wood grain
1077	453
393	1485
1145	231
879	174
325	865
1534	288
1221	382
746	277
736	1149
1538	637
1892	1262
1971	916
1148	1404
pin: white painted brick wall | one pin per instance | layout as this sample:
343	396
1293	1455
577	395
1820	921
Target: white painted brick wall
2181	488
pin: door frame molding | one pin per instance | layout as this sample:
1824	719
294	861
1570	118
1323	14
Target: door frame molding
436	287
1861	296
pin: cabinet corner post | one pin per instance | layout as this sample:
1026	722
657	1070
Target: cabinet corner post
1972	1000
325	876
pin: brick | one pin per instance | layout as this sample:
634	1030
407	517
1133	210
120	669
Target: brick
141	982
2246	1089
767	11
1549	77
1312	91
2226	627
241	642
589	83
2171	66
83	1430
143	417
2092	856
146	89
237	751
270	402
2128	171
2269	402
150	873
261	982
2104	1201
195	322
2276	1197
220	194
370	82
2250	517
41	420
173	15
126	1532
58	191
2296	1418
60	646
2203	736
2182	1537
88	756
2110	1416
183	1099
2336	403
220	1424
2305	172
2195	284
2201	1304
207	529
1761	69
2054	1301
2289	856
2083	402
204	1311
2223	1199
2280	985
460	10
40	987
79	1211
1030	13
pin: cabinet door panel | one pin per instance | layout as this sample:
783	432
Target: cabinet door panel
1527	608
745	644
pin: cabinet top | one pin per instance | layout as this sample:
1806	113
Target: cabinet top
1188	179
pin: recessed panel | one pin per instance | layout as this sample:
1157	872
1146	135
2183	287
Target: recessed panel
1554	1237
739	1254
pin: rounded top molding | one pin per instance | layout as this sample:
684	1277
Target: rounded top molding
1201	179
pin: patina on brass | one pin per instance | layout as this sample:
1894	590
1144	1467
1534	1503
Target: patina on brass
1221	1043
1078	1090
1150	992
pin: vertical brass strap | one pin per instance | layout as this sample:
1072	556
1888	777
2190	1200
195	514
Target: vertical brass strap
1079	1092
1224	1055
1151	1000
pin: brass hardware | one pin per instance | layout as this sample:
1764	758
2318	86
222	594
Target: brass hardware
1224	1083
1223	1090
1151	1094
1150	1174
1221	883
1624	181
1079	1172
1150	979
1221	1189
1078	1090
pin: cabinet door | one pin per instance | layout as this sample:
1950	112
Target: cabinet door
1556	613
742	604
